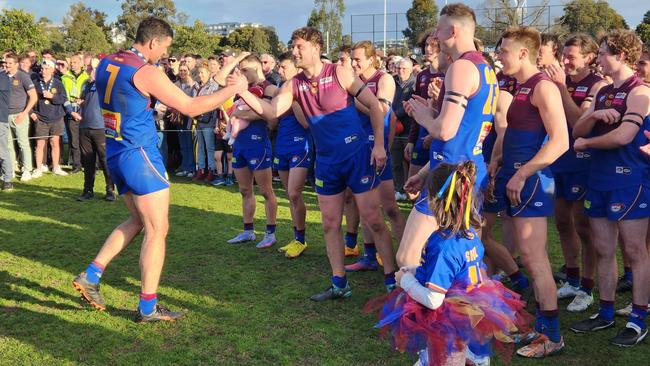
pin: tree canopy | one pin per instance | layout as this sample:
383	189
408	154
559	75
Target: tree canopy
422	15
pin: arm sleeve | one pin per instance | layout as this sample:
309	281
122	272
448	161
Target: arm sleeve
427	297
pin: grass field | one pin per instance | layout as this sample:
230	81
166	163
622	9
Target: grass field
244	306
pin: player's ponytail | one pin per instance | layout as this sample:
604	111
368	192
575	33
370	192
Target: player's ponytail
452	197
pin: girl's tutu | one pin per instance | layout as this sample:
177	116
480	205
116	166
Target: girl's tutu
487	314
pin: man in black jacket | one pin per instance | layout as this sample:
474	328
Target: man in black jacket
48	117
405	85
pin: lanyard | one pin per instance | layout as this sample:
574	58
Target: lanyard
138	53
49	85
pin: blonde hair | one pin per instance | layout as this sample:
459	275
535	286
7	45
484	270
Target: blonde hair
528	37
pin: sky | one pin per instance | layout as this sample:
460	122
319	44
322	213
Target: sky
287	15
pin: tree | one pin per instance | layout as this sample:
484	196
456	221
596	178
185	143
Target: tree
276	46
86	30
20	32
326	17
497	15
134	11
194	39
591	16
422	15
643	29
249	39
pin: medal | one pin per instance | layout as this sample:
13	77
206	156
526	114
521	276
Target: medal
47	101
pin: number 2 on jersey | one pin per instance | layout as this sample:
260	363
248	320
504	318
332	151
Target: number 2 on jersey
112	70
490	106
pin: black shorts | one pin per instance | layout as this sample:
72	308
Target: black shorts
46	129
222	145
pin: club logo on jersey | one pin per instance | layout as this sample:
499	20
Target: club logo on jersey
256	137
576	189
619	98
112	124
538	204
303	87
298	139
295	158
516	165
53	90
326	80
437	156
580	92
365	180
351	139
617	207
623	170
16	82
253	161
643	205
583	155
587	204
522	94
486	127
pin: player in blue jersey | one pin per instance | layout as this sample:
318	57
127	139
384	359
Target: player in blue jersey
344	158
618	190
129	84
466	115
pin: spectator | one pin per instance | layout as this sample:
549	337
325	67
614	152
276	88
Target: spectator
92	139
190	62
184	124
6	164
268	68
405	87
23	99
62	67
206	123
172	72
25	64
73	82
227	56
344	57
214	66
48	117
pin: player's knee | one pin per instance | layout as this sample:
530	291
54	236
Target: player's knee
268	194
392	212
636	252
564	225
295	196
245	191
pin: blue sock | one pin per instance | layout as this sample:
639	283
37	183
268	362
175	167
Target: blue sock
606	310
389	278
370	251
299	235
94	272
628	273
147	303
519	281
538	321
639	312
551	324
270	229
339	282
248	227
350	240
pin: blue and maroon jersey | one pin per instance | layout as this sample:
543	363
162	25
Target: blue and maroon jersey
127	113
422	81
625	166
526	133
373	85
451	259
333	119
576	161
256	132
476	123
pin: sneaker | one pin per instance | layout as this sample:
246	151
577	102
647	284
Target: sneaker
567	291
89	291
218	181
242	237
352	252
266	242
526	338
45	169
541	347
37	173
581	302
86	196
60	172
560	276
110	196
333	293
362	265
74	170
229	181
7	186
624	284
630	335
181	173
295	250
594	323
26	177
400	196
159	314
286	247
626	311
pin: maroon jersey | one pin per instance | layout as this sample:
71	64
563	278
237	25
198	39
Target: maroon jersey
579	90
422	81
507	83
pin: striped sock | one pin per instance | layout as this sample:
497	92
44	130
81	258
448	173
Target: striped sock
147	303
94	272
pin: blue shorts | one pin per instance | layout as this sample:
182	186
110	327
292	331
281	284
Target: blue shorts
619	204
253	158
420	155
571	186
354	172
386	173
289	160
422	202
140	171
537	196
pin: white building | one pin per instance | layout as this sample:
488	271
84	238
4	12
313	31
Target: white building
224	29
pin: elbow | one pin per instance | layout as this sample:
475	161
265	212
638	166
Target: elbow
622	140
445	134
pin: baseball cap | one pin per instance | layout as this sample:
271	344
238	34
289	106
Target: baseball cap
228	52
48	63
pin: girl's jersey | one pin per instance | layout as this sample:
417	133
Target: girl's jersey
333	119
475	125
127	113
526	133
373	85
448	260
625	166
256	132
576	161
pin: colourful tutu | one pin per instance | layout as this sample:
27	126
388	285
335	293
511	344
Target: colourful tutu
489	314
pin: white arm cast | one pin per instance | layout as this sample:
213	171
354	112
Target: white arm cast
421	294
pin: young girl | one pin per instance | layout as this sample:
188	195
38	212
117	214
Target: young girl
448	303
234	124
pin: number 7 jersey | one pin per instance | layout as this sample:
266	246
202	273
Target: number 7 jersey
127	113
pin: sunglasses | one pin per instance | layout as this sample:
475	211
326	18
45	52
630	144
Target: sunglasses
172	60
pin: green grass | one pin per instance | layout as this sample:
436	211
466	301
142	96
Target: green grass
244	306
